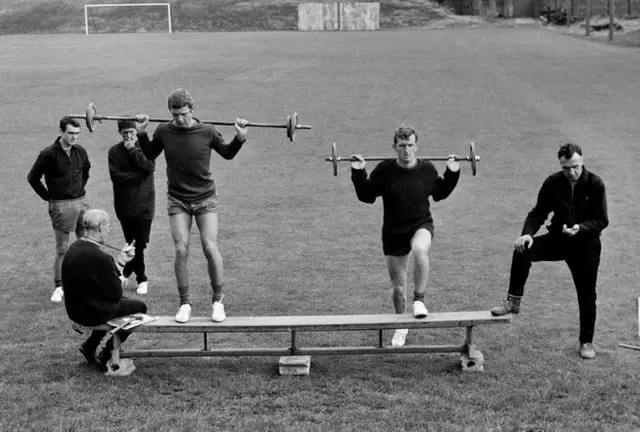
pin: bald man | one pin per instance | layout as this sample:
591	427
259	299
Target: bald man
93	287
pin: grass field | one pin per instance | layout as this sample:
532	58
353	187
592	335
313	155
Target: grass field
296	241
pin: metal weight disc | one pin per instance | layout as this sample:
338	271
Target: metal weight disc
472	157
90	116
292	123
334	159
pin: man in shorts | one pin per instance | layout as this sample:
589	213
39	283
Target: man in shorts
405	185
65	167
93	289
187	144
134	197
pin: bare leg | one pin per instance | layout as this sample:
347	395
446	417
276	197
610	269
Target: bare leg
180	228
208	226
420	246
397	267
62	243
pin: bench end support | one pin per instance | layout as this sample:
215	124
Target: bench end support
472	360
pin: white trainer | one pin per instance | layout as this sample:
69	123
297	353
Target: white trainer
399	337
419	309
143	288
184	313
218	314
57	295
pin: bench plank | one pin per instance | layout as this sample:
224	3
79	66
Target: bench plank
341	350
166	324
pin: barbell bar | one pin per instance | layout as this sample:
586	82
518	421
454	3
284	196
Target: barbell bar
472	158
91	117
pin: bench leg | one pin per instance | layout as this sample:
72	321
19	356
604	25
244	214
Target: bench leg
294	364
472	359
117	366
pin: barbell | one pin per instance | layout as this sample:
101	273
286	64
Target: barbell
91	117
472	158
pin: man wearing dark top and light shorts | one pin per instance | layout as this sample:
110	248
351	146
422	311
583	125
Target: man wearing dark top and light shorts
65	168
187	144
134	197
92	286
405	185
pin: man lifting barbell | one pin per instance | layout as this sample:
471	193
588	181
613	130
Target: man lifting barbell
405	185
187	144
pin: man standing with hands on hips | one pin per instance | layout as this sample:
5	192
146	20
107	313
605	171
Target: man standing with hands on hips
187	144
65	167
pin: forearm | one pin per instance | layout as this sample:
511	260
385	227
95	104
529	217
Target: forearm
39	188
142	163
229	151
363	186
151	149
34	177
121	178
446	185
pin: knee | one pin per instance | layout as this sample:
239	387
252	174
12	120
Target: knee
61	249
210	248
421	248
398	292
182	250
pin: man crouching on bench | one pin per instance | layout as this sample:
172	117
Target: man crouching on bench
93	286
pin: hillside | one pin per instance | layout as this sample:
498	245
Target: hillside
67	16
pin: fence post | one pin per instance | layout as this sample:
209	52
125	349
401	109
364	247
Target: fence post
588	19
611	13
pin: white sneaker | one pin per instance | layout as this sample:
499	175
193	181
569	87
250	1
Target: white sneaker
143	288
57	295
184	313
399	337
419	309
218	314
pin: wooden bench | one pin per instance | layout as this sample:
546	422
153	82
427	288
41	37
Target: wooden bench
294	358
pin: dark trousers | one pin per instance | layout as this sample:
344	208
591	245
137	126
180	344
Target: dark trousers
127	307
583	259
138	230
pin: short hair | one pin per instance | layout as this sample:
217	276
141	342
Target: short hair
180	98
66	120
567	150
126	124
93	219
403	133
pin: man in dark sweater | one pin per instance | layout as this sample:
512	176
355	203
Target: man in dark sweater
405	185
133	197
578	201
92	286
65	168
187	144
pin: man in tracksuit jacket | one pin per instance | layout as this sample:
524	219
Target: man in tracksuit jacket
578	200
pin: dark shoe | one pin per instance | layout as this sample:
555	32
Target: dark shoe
102	359
89	354
587	351
510	305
